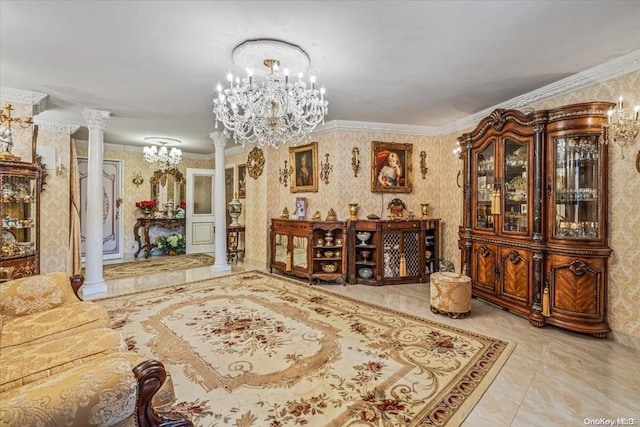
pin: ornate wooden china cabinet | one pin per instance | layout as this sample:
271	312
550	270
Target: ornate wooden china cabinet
20	210
533	237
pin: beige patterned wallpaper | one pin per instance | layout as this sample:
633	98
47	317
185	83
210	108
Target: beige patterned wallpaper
266	197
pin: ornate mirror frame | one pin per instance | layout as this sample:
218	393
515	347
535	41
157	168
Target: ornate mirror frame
160	178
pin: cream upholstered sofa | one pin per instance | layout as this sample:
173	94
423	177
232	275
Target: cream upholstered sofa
61	365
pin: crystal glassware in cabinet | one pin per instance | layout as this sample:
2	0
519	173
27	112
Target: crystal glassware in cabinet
577	187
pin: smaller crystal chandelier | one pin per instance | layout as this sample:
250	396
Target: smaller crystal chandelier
277	111
162	159
622	126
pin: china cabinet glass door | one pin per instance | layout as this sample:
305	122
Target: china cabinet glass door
515	173
19	215
485	179
577	187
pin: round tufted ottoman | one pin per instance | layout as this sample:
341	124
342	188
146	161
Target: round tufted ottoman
450	294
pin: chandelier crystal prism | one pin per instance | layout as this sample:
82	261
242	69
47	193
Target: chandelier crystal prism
277	110
162	158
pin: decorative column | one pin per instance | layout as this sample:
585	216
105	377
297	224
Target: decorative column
94	282
219	206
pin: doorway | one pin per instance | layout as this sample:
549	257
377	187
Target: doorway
112	239
199	216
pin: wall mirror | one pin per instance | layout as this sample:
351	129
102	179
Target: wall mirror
168	185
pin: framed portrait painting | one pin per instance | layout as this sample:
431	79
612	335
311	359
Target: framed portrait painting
241	191
391	167
304	161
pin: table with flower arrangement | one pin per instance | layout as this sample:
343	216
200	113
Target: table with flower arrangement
145	224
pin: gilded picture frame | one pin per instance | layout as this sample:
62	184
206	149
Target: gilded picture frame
391	167
304	161
241	189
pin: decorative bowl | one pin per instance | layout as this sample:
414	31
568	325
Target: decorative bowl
365	254
328	254
365	273
363	236
329	268
319	242
338	242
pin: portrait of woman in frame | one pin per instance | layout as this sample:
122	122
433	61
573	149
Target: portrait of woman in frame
304	160
391	167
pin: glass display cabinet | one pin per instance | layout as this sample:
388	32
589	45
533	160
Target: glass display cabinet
533	237
314	250
20	241
391	252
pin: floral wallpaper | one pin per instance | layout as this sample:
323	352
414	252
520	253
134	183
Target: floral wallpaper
267	197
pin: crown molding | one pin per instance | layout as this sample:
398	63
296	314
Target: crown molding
56	127
36	99
347	125
137	149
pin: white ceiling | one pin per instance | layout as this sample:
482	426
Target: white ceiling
155	64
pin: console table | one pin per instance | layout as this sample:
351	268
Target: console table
145	224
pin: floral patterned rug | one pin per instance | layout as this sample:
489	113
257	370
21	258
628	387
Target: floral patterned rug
254	349
156	264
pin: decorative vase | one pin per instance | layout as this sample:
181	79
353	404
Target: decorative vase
235	209
173	253
424	208
353	211
147	213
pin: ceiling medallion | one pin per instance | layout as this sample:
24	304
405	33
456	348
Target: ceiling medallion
277	110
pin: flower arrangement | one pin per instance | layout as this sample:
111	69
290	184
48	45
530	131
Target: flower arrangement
146	204
173	243
182	205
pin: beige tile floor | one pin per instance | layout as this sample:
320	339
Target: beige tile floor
553	377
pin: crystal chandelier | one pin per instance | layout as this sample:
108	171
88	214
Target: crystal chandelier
621	127
277	111
162	159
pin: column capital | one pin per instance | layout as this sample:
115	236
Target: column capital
96	119
219	139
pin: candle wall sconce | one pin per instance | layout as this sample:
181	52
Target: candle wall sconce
285	173
138	180
423	164
622	126
325	169
355	161
61	170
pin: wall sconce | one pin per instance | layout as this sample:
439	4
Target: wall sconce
423	164
61	170
138	180
285	173
325	169
355	161
622	126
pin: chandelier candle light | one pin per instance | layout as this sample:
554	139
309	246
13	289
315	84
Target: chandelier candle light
621	127
278	111
162	158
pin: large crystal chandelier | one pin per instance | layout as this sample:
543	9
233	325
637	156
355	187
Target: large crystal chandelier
622	126
162	159
276	111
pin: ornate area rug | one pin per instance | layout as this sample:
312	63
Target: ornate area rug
253	349
155	265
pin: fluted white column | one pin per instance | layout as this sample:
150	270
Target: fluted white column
94	281
219	207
